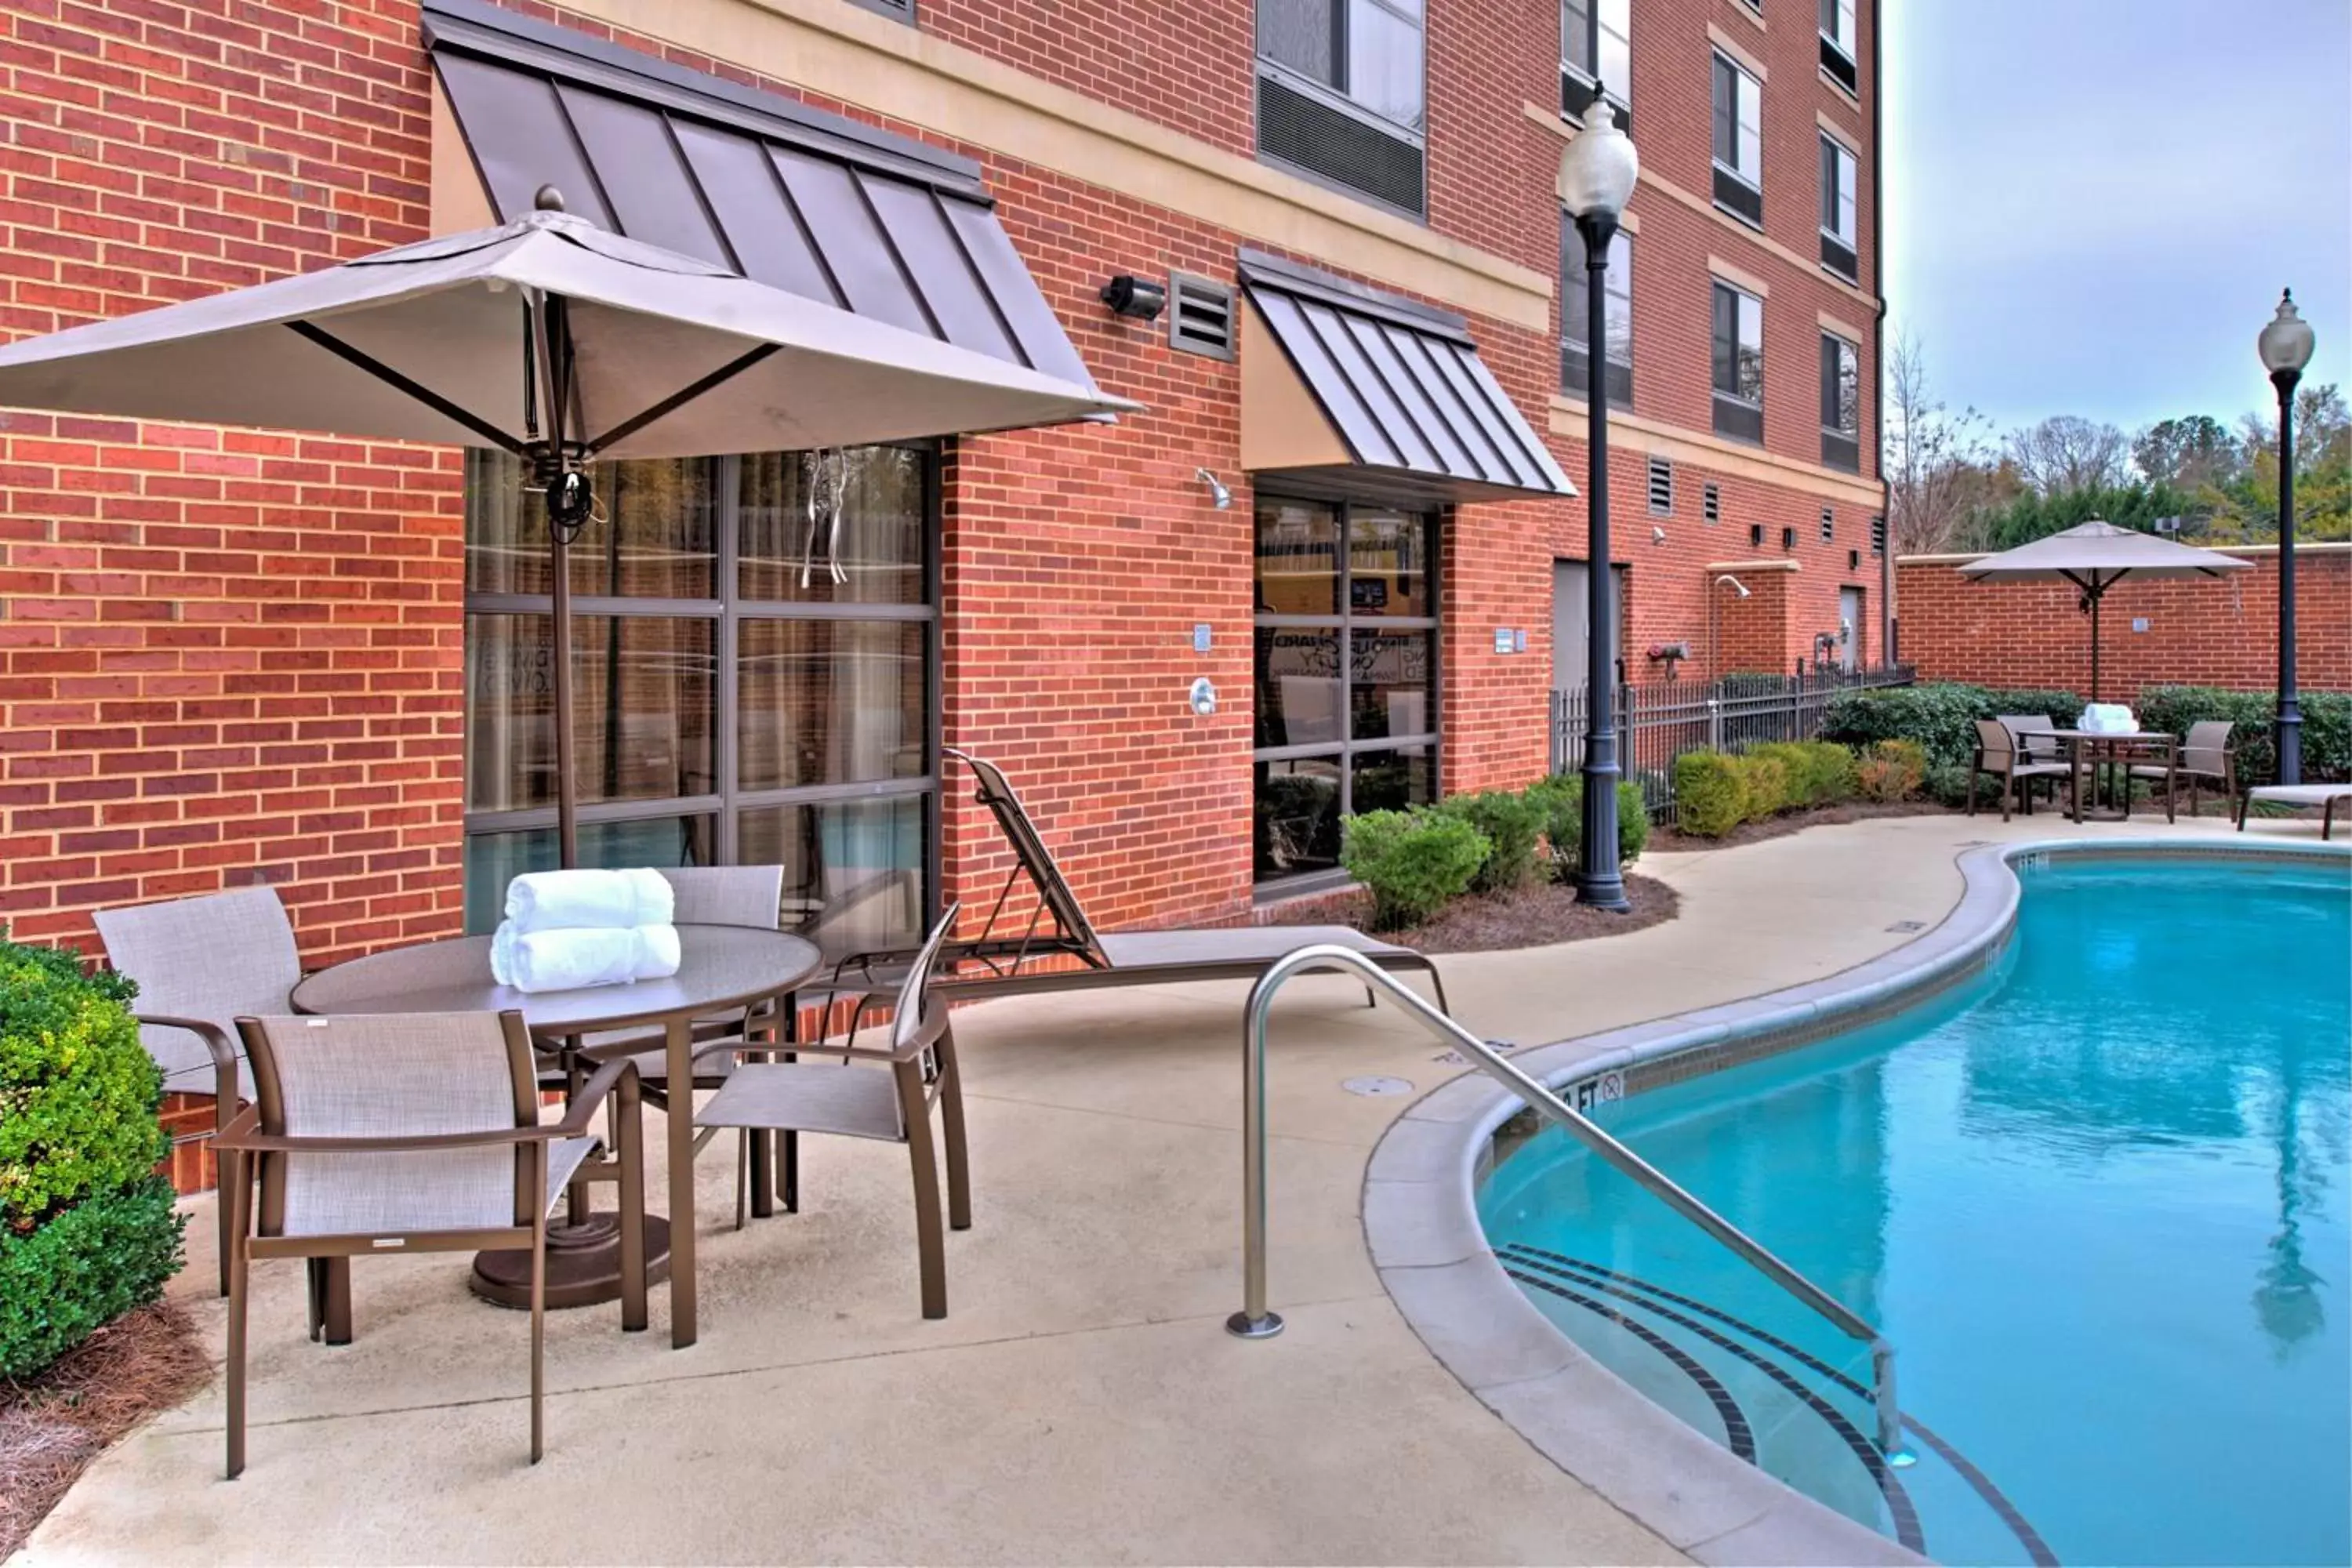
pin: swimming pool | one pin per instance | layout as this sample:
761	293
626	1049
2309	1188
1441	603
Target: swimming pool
2096	1197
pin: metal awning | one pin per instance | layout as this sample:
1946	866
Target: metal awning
1361	385
809	201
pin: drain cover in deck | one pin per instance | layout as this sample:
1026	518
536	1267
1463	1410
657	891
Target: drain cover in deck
1376	1085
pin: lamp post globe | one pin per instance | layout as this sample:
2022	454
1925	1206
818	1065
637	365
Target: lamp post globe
1596	171
2285	346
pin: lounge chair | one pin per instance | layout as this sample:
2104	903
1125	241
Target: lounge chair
839	1097
410	1132
993	965
2001	755
2324	795
199	963
2206	754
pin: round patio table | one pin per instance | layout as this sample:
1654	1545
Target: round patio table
722	969
2116	753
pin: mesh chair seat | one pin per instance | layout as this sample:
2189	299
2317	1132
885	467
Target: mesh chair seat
809	1096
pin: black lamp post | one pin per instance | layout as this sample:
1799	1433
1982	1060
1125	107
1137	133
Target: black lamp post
1597	170
2285	347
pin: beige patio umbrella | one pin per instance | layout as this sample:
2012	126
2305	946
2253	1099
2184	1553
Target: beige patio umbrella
2095	556
548	338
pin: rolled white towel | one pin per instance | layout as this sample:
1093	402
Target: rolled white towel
572	960
560	900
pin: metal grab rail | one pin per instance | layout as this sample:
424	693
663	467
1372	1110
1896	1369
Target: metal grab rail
1254	1322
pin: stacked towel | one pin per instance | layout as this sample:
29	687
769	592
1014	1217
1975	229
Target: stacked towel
2107	719
567	929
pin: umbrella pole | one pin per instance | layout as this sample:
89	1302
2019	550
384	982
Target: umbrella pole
2096	594
567	826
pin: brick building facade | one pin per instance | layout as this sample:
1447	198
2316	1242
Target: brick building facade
2224	633
229	657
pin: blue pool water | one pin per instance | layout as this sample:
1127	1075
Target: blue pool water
2097	1198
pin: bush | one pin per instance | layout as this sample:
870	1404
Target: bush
1562	799
1710	793
1413	861
1511	821
2060	707
1895	770
1764	784
1941	715
87	1227
1945	784
2327	726
1820	773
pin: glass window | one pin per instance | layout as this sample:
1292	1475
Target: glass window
1837	23
1368	51
1596	40
1738	344
1575	301
1837	191
678	756
1346	665
1739	122
852	869
1841	386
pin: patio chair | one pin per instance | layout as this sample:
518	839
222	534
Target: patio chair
199	963
993	965
2035	737
412	1133
2326	797
2000	754
2206	754
838	1096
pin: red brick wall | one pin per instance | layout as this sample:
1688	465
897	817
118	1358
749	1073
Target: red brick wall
2199	632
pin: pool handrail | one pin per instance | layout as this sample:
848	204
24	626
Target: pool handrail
1254	1322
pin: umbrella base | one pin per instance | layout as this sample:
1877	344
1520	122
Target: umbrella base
583	1264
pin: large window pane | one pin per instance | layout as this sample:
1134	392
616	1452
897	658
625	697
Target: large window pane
641	709
1576	35
1392	780
654	534
494	859
1391	690
1752	348
1384	59
787	555
1297	558
829	701
1616	48
1299	691
852	869
1299	34
1387	563
1297	815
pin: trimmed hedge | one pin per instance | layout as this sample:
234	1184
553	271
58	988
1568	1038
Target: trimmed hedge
1941	715
1710	793
1561	798
1820	773
1512	821
1895	770
1413	861
87	1225
2327	726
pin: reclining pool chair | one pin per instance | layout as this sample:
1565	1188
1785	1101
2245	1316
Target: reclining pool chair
991	965
2326	797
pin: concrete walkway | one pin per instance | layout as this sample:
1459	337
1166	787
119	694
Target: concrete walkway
1082	1401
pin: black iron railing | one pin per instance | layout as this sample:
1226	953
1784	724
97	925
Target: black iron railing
1659	720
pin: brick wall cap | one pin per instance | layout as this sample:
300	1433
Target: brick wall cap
2249	551
1773	563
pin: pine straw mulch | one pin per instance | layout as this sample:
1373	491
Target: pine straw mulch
1536	916
53	1425
1666	841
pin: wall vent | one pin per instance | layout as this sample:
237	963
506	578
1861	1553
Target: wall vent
1788	539
1829	524
1755	533
1200	315
1878	536
1662	488
1341	148
1710	502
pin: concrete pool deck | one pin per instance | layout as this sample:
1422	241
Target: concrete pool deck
1082	1401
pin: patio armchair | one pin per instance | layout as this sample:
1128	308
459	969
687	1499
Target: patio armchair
199	963
2036	738
413	1132
2207	752
2001	755
839	1096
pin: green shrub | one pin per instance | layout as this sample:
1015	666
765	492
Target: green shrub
1764	784
1947	784
1820	773
1413	861
1710	793
1512	821
87	1228
1895	770
1941	716
1562	798
2060	707
2327	726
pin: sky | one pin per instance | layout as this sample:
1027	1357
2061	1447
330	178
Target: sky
2092	205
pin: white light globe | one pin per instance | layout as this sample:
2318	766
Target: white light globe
2285	342
1598	165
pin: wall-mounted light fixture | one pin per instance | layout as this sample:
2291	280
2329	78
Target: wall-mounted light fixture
1219	497
1140	297
1657	535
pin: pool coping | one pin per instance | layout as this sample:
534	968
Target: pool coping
1422	1227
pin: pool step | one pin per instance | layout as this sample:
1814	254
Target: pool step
1673	1325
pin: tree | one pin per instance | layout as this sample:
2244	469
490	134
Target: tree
2190	452
1938	463
2066	452
2030	517
2245	507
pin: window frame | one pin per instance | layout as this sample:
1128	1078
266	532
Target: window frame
1844	388
1837	23
725	613
1840	176
1574	349
1345	623
1582	82
1335	95
1735	414
1752	178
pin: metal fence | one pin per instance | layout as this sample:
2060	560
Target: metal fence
1659	720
